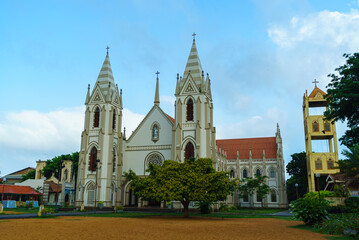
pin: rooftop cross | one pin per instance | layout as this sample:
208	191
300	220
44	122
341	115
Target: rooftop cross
315	82
194	36
157	73
107	48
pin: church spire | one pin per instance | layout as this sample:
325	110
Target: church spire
88	95
157	95
106	74
193	65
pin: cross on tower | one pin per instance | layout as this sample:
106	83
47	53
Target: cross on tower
194	36
107	48
315	82
157	73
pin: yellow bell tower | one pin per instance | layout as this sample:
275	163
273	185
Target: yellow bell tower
318	132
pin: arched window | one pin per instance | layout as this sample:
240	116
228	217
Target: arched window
245	173
318	164
231	174
155	159
96	119
258	172
190	110
90	194
155	133
65	174
93	158
114	119
327	127
330	164
189	151
315	127
259	198
272	173
273	196
113	160
245	197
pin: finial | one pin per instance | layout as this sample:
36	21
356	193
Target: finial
107	48
157	73
194	36
202	74
177	76
315	82
121	91
88	87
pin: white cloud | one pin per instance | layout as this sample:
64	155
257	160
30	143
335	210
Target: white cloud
130	120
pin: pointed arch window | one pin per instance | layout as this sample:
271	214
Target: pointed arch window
93	158
231	174
96	119
113	160
258	172
155	133
273	196
272	173
315	126
90	194
245	173
318	164
327	126
190	110
330	164
114	119
189	151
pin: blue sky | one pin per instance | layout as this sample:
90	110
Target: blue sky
261	56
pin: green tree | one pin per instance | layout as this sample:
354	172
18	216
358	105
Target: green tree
192	180
253	185
297	170
53	165
343	96
29	175
350	166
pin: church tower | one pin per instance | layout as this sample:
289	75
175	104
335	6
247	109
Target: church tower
100	160
318	130
194	134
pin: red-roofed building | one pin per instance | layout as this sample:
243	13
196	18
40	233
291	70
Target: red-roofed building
18	193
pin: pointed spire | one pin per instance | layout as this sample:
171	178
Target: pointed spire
121	99
278	131
108	96
193	65
250	153
237	153
88	95
208	86
177	84
106	74
157	95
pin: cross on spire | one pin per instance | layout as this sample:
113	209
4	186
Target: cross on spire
315	82
194	36
157	73
107	48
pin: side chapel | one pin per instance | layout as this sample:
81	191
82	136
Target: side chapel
106	152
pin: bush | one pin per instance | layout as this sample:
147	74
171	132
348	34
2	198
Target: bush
352	204
347	224
323	194
310	210
204	207
223	207
29	205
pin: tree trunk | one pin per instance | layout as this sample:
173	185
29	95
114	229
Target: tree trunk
185	208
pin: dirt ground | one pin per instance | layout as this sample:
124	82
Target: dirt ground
155	228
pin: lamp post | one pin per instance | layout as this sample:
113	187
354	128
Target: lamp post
296	189
3	189
97	161
318	176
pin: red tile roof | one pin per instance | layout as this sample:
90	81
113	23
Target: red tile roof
315	91
14	189
244	144
170	118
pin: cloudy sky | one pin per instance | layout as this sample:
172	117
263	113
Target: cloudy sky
261	55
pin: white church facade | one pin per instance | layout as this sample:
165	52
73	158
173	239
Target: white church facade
106	152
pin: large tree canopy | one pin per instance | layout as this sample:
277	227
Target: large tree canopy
350	166
343	96
192	180
297	170
53	165
253	185
29	175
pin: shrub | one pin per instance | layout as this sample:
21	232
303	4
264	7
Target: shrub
310	210
347	224
341	191
29	205
323	194
223	208
205	207
352	204
46	211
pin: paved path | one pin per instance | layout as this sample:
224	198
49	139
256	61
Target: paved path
286	213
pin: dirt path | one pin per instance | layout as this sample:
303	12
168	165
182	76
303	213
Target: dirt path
155	228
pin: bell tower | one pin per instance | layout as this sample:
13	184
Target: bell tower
319	132
194	134
100	159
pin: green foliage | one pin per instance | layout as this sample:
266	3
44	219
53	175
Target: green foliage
323	194
29	175
29	205
343	96
192	180
46	211
350	166
347	224
253	185
53	165
297	170
310	209
352	204
341	191
204	207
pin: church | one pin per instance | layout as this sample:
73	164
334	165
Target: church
106	152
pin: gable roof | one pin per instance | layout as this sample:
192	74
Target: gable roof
15	189
170	118
22	171
256	145
315	91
